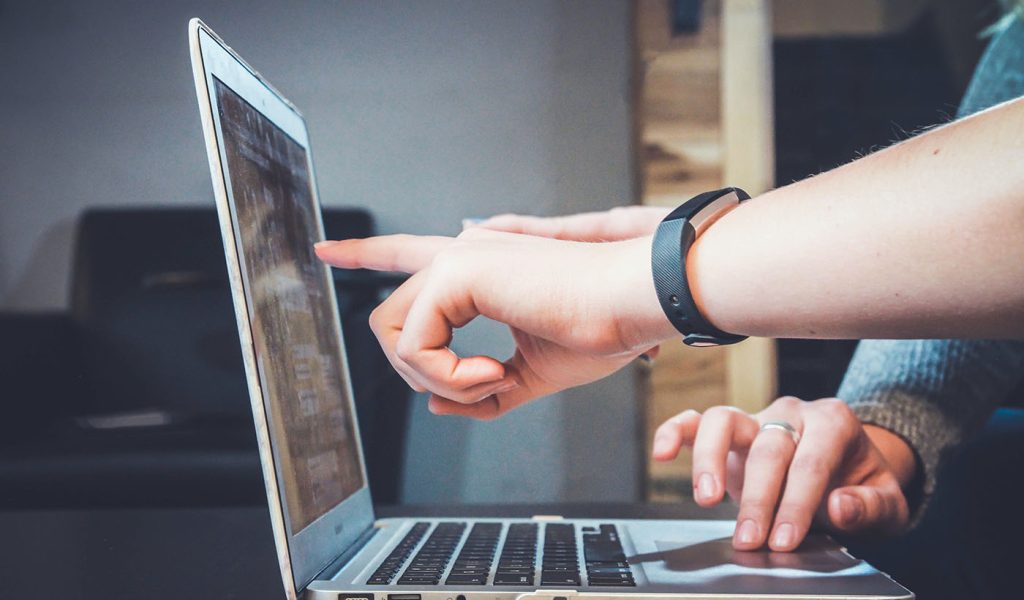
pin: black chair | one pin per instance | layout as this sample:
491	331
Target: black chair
137	396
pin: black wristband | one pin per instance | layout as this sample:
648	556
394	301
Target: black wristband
672	242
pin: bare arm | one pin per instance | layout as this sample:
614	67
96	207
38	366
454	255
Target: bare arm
923	239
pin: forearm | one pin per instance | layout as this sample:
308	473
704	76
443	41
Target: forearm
922	239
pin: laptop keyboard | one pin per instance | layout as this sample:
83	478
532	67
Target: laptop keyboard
393	563
473	564
432	559
561	562
604	559
518	555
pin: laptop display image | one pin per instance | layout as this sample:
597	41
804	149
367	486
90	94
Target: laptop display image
312	424
329	544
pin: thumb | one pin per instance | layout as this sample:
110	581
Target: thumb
863	508
527	387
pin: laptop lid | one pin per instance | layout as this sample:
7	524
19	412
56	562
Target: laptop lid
286	309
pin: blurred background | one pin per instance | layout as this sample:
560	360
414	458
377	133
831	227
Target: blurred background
420	113
123	386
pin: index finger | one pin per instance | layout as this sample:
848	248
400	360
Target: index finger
400	252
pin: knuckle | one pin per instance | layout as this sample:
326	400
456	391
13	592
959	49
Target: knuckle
839	417
405	350
770	452
376	321
788	402
811	465
473	233
722	413
560	227
833	408
449	261
681	418
668	429
756	506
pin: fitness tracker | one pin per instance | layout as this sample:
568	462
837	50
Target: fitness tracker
672	242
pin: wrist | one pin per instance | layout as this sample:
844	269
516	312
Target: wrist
706	271
897	453
642	322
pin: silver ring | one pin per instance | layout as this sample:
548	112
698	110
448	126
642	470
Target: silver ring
783	426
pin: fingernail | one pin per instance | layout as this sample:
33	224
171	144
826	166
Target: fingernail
746	534
508	387
706	486
850	509
783	536
325	243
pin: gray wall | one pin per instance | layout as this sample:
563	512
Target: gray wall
424	112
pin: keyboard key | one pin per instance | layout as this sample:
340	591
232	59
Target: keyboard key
516	564
516	570
473	563
500	579
560	562
605	559
397	557
466	579
603	552
408	581
559	578
431	561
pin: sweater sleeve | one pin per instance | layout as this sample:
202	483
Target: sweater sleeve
932	393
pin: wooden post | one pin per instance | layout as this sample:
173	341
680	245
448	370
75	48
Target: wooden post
704	104
748	134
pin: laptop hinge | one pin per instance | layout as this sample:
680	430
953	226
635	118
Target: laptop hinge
354	548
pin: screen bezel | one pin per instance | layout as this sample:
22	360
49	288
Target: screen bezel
305	553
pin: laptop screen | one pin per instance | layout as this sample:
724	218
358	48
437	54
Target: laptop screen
297	350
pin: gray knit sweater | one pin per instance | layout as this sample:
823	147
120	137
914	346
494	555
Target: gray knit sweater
936	393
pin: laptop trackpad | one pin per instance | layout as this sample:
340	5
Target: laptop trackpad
697	556
816	554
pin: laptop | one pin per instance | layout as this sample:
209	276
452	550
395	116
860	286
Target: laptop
329	544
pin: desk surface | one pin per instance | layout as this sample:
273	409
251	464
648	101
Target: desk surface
197	553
